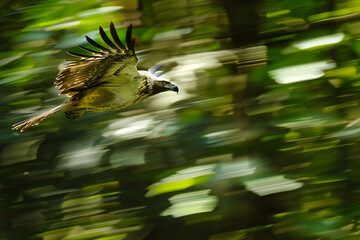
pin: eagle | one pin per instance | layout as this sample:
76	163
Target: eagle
106	80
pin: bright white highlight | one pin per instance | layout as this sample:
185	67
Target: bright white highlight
316	42
271	185
191	203
301	72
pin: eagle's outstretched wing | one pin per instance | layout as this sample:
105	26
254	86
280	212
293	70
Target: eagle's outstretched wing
92	70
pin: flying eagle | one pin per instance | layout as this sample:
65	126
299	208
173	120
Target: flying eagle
106	80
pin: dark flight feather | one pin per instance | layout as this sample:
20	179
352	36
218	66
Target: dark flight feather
90	50
107	40
116	37
95	44
132	47
128	40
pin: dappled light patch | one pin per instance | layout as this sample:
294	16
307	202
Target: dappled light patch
319	41
302	72
271	185
191	203
183	179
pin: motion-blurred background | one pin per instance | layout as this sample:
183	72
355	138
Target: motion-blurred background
260	143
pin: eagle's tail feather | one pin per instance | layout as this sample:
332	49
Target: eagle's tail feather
35	120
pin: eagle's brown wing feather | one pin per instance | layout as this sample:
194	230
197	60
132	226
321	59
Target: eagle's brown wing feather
92	70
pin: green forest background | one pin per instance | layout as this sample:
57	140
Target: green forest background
260	143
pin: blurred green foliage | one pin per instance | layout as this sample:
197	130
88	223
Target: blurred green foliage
260	143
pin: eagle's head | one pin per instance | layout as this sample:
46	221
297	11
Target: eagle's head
156	84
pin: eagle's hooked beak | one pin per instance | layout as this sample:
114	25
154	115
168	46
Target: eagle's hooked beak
175	88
